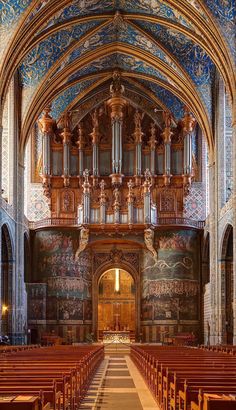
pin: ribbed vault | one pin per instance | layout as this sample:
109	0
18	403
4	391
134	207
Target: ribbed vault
167	52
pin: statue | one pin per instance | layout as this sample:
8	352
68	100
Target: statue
149	239
116	88
83	241
138	116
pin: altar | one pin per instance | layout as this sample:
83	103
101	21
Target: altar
112	336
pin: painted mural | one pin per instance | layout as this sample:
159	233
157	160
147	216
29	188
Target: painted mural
170	281
67	279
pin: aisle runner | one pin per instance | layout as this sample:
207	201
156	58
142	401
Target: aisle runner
118	385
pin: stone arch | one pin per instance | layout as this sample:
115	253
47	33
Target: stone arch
95	283
6	280
226	268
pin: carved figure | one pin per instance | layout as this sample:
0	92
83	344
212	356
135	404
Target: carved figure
83	242
149	240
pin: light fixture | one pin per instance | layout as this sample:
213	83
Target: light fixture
117	280
4	309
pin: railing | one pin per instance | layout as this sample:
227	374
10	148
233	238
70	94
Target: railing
73	222
180	221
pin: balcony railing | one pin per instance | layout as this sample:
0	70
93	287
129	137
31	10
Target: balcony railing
73	222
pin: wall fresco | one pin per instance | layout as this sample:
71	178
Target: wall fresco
67	293
170	284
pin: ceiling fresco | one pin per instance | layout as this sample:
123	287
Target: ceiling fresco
47	52
178	46
60	103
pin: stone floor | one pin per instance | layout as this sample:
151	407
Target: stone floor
118	385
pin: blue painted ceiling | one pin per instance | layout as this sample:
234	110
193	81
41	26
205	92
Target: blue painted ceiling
63	42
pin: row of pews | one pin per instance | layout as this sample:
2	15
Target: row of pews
47	378
185	378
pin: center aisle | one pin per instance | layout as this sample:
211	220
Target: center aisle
118	385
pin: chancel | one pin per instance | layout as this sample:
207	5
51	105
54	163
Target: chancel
118	203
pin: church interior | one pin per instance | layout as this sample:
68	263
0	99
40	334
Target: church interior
118	199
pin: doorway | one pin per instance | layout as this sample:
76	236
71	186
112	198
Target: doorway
116	302
227	285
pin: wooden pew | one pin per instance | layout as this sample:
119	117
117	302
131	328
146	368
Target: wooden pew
176	374
69	368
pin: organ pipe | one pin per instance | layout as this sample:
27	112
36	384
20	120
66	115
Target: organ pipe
46	125
116	103
152	143
80	145
66	150
167	134
188	124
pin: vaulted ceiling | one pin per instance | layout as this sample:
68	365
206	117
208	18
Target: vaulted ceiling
168	53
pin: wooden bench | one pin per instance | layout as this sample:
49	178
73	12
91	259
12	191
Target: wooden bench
60	374
176	374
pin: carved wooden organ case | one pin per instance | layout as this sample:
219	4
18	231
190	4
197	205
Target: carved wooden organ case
116	166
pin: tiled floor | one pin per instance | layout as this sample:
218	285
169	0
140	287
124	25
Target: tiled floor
118	385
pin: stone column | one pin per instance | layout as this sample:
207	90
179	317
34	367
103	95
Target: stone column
86	198
66	134
1	130
19	308
166	135
234	217
217	325
152	143
213	251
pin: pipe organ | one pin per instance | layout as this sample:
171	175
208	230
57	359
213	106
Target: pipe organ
117	166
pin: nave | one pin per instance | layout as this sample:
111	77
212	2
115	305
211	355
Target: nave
89	377
118	384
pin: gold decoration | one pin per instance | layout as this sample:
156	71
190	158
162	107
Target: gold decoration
152	142
138	134
116	102
47	123
188	122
